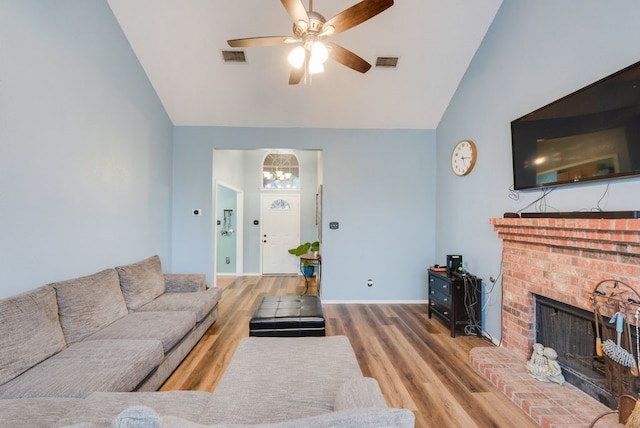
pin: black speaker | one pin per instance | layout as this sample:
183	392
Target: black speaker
454	263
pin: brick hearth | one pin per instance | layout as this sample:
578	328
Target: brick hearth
562	259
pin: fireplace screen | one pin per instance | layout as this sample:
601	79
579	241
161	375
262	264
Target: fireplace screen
571	331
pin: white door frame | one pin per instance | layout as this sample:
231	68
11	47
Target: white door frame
239	227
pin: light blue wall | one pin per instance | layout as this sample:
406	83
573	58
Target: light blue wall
379	184
534	53
85	146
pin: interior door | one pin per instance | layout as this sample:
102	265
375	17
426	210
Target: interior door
280	232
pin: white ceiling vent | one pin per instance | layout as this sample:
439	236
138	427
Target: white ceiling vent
387	62
236	57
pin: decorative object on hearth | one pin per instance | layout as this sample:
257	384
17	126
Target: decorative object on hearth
543	365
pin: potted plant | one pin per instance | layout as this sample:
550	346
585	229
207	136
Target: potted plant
306	248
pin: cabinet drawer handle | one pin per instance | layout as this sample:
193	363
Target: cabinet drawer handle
446	300
444	286
446	313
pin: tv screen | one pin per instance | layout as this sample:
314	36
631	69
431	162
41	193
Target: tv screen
591	134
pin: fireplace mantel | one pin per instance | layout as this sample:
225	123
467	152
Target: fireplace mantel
563	259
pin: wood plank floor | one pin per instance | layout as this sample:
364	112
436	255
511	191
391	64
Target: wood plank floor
418	365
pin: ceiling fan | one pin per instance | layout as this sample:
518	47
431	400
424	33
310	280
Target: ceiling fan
310	29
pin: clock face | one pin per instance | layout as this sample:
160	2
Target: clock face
463	157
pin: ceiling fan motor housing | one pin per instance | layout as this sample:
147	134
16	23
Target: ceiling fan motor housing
316	21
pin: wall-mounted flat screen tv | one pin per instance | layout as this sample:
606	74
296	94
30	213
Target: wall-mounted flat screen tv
591	134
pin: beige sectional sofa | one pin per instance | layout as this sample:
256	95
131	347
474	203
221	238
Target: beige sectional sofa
121	329
87	352
299	382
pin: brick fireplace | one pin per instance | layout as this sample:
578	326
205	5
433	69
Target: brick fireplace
562	259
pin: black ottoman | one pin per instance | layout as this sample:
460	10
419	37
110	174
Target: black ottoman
288	316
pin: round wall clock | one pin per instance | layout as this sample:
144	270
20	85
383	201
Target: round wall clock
463	157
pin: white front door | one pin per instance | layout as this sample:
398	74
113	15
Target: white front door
280	232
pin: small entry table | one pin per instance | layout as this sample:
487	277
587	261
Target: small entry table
312	259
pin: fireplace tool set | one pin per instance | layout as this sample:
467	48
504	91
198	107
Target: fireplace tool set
621	303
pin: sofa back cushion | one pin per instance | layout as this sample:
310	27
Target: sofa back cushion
141	282
31	331
89	303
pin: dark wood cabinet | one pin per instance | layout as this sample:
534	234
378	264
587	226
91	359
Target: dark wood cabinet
456	300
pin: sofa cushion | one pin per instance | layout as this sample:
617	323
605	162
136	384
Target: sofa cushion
88	366
100	408
199	302
89	303
36	412
31	331
258	379
141	282
168	327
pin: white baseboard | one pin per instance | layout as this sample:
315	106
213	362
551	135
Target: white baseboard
374	302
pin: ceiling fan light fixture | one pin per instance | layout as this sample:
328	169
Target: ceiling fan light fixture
319	52
315	67
296	57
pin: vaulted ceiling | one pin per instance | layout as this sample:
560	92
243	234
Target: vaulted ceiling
180	42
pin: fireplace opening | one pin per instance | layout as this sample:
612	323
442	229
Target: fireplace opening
571	331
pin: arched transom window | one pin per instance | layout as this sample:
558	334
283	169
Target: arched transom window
280	171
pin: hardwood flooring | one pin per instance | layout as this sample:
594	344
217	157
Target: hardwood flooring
416	362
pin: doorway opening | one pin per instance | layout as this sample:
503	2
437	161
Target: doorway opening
229	226
242	170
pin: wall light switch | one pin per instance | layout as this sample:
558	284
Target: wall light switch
334	225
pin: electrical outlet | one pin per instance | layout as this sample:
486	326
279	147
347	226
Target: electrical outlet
196	211
370	282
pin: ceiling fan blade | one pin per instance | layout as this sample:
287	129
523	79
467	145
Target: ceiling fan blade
357	14
259	41
347	58
297	73
296	10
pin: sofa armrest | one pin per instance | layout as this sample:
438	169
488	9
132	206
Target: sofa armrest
185	282
145	417
359	393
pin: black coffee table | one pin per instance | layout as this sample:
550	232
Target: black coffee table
288	316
